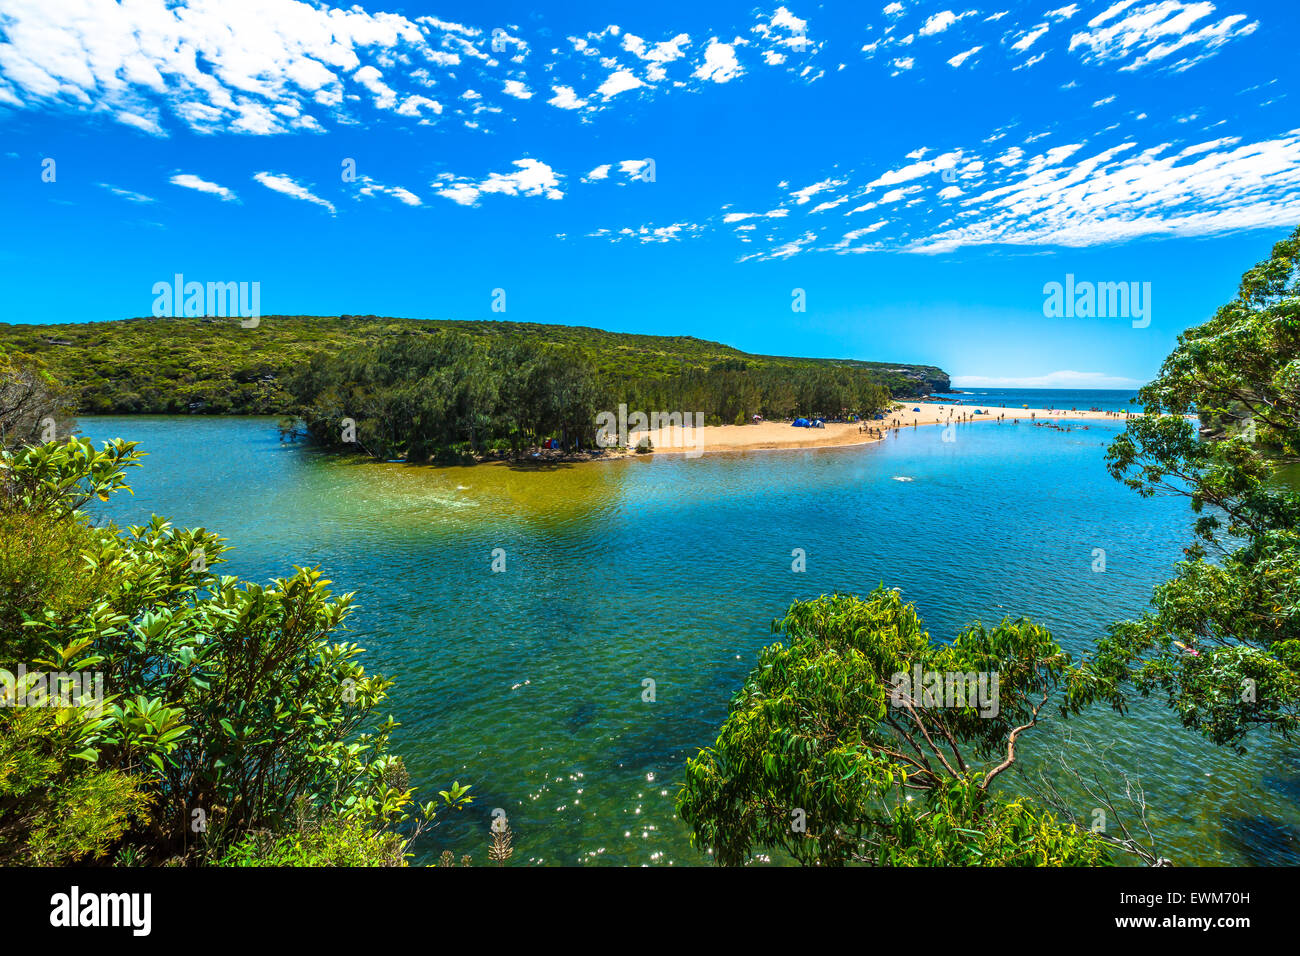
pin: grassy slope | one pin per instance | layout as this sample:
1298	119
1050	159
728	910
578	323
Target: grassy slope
169	365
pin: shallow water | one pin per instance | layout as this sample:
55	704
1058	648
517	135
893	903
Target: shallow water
528	683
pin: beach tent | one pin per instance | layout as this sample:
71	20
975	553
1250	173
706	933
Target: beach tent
916	409
802	423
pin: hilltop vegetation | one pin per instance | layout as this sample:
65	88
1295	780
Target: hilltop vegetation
449	396
214	366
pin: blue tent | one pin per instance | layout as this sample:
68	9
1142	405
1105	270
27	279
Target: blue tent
802	423
916	409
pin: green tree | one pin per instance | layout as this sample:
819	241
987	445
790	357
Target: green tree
830	754
32	402
1221	644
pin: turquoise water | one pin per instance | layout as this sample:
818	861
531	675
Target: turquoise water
528	683
1108	400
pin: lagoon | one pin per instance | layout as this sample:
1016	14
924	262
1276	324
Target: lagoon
528	683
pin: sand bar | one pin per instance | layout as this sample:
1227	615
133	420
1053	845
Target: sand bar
773	435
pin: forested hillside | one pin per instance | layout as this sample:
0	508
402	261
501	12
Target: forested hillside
214	366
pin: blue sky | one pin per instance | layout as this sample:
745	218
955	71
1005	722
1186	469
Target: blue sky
920	170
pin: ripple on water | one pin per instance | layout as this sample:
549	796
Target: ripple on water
529	683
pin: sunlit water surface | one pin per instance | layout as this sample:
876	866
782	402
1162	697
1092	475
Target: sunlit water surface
529	683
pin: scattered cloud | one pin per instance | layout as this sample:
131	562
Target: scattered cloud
291	188
531	177
566	99
720	64
368	187
127	194
1141	34
190	181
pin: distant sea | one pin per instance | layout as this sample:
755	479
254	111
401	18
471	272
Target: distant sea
1108	400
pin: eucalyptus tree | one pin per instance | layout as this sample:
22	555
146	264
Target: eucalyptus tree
1221	643
859	739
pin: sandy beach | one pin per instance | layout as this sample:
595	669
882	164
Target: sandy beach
773	435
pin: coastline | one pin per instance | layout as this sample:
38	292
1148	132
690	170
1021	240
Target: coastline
782	435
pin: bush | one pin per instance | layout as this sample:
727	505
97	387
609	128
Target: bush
232	708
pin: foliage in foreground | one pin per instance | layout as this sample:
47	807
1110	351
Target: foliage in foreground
828	756
232	715
1221	644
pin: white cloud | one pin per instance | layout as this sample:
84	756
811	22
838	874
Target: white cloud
720	64
912	171
371	188
942	21
648	234
264	67
660	53
618	82
531	178
741	216
127	194
784	33
213	67
1029	38
1120	194
802	196
190	181
786	249
291	188
412	105
788	21
1155	31
126	117
372	79
962	57
565	98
